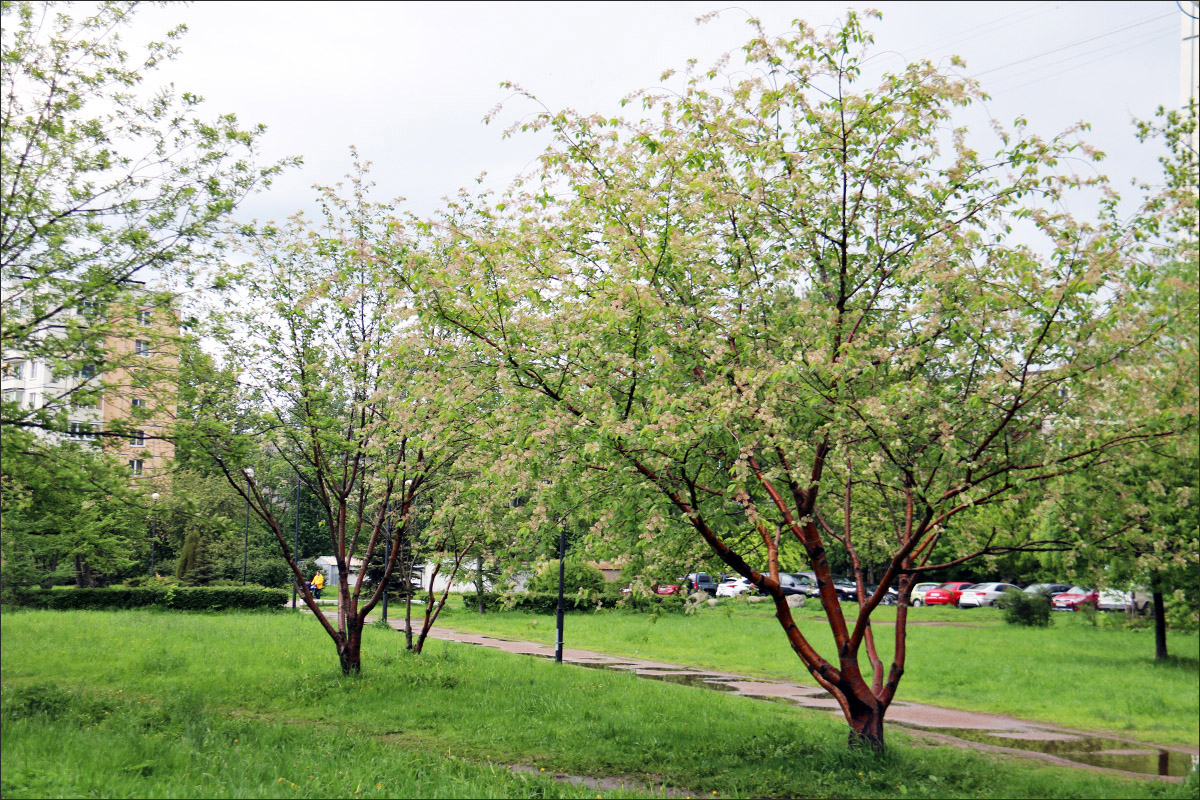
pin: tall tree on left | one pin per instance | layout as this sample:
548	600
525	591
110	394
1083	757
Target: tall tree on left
106	186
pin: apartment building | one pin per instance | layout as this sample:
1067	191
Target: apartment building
134	395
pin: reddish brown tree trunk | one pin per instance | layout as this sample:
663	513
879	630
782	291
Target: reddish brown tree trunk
866	727
350	650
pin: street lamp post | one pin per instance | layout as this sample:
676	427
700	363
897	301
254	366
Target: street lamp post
153	529
246	541
296	549
387	559
562	549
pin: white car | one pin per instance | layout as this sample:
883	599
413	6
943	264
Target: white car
735	586
983	594
917	596
1112	600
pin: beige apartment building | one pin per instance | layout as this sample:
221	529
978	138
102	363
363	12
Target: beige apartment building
136	395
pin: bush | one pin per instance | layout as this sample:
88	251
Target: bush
1023	608
161	595
1182	614
577	575
491	601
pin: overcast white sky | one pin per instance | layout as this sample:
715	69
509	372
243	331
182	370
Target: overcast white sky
409	83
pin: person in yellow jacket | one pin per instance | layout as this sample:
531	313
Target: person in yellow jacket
317	584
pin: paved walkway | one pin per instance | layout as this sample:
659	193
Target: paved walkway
990	732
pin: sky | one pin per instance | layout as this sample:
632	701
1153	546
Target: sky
410	83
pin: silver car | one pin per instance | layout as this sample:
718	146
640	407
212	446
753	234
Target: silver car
983	594
1113	600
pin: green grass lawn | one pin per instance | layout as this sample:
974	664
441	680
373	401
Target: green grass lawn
148	704
1075	674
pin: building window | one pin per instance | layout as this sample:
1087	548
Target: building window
144	317
137	402
14	369
14	396
82	430
141	347
135	466
87	372
138	439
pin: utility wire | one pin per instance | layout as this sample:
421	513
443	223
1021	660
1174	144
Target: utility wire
1086	63
988	27
1137	42
1113	32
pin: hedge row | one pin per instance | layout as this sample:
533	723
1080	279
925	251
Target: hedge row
547	602
187	598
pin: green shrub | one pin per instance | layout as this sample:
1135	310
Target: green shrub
491	601
577	575
1023	608
1182	613
159	594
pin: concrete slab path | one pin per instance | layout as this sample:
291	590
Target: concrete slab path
996	733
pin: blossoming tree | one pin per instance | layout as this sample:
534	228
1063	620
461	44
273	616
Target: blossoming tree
794	304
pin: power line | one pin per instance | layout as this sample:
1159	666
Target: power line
987	27
1086	63
1152	36
1113	32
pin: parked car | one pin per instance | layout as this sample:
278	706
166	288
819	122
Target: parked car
702	582
809	580
735	586
947	594
984	594
889	599
1048	589
667	588
1075	598
1113	600
917	596
791	584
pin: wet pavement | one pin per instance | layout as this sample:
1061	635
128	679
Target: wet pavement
992	732
989	732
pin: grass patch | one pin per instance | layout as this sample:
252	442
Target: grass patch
1072	673
137	704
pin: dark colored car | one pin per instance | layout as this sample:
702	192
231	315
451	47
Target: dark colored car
1048	589
702	582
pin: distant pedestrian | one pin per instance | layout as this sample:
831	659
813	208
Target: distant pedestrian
318	583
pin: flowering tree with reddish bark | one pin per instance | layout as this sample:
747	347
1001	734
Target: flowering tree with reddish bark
335	376
792	305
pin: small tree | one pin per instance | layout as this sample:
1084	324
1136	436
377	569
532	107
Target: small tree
338	382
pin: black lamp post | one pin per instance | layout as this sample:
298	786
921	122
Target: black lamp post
153	529
387	559
562	549
296	549
246	544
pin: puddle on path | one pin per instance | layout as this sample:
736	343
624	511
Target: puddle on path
1096	751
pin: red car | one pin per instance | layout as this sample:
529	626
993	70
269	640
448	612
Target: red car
947	594
667	588
1075	598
